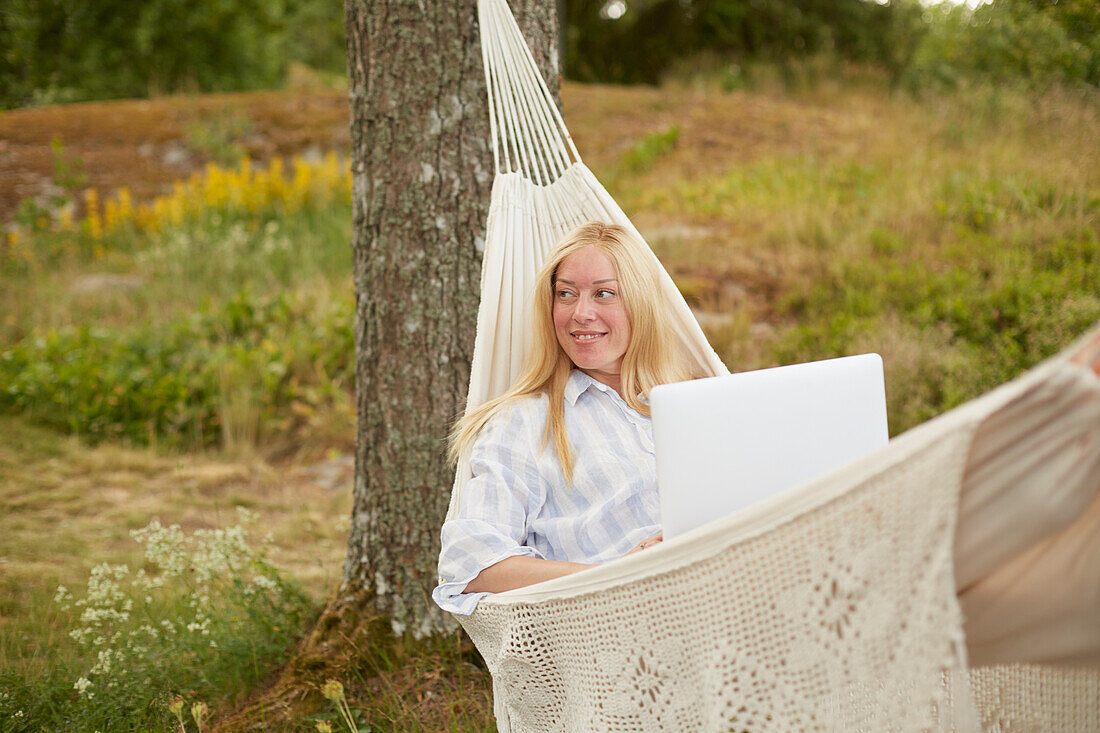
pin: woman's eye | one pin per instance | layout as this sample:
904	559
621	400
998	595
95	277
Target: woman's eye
563	294
603	293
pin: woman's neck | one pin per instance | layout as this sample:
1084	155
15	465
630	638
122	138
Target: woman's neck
612	380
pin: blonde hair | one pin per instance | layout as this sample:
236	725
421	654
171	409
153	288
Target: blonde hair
650	359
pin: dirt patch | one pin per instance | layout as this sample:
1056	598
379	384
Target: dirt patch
717	129
72	506
147	144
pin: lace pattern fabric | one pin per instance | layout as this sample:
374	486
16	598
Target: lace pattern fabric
844	618
1013	698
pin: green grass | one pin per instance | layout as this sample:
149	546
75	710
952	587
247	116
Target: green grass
231	330
72	507
642	156
447	674
961	240
962	291
199	615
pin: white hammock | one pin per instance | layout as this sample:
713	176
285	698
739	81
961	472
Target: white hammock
838	606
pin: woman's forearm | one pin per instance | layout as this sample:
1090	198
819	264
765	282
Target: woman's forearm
519	571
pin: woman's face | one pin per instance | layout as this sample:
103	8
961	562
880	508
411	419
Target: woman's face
590	321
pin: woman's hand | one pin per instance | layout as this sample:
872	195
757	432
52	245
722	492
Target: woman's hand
647	542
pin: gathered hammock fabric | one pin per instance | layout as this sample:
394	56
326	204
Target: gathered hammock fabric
949	581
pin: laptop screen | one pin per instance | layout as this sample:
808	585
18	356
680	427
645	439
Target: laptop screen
724	443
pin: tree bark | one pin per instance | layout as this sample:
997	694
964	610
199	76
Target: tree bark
422	168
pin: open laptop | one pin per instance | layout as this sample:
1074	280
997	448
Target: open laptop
726	442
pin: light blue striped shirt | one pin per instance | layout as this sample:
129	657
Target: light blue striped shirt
518	503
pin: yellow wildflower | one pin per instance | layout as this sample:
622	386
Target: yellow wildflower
110	215
125	203
243	188
93	222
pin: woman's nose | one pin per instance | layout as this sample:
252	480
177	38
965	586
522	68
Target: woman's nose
583	310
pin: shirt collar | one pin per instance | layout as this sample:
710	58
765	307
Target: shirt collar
579	382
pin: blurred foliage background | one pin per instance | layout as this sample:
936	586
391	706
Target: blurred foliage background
55	51
73	50
918	44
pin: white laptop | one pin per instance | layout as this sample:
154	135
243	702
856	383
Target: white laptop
724	443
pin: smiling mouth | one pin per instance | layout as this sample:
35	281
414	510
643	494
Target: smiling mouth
587	336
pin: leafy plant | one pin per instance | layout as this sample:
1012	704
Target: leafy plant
39	213
219	136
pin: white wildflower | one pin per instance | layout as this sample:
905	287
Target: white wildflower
141	580
164	546
82	686
103	662
200	624
262	582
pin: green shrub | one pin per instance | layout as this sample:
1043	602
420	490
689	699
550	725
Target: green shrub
1004	41
177	384
976	318
126	48
651	36
52	52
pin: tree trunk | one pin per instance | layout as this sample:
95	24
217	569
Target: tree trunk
422	168
422	174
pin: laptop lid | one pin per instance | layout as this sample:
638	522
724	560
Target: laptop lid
724	443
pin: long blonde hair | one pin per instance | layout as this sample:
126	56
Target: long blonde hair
650	358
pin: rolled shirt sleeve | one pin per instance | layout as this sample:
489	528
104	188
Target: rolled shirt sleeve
491	524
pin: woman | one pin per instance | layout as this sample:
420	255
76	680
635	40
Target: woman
562	463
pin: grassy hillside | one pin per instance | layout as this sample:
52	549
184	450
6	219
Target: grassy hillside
180	360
